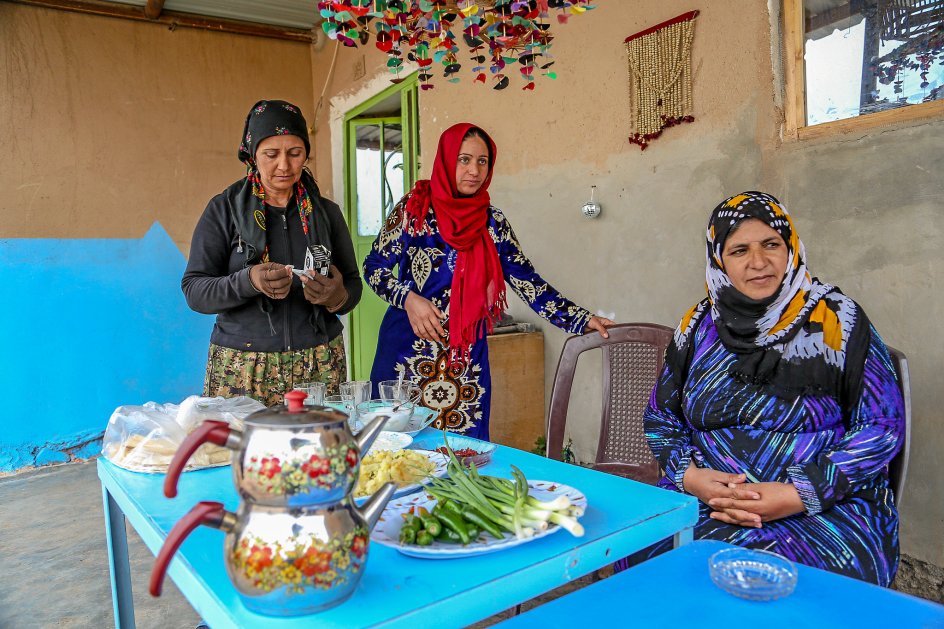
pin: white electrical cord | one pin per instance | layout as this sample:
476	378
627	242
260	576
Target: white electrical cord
334	61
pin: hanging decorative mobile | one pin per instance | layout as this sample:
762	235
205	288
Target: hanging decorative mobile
496	34
660	77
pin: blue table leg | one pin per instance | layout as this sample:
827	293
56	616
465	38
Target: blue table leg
119	566
682	537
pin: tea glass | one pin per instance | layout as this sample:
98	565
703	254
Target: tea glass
400	391
357	389
345	404
315	391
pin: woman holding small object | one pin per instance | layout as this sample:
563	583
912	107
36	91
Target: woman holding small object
778	406
273	330
454	251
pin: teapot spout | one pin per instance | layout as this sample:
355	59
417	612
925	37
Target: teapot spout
367	435
375	504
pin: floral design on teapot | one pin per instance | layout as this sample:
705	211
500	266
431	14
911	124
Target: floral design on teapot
315	563
278	476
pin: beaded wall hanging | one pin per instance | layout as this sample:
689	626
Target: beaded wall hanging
660	77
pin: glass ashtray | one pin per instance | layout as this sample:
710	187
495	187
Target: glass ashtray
468	451
758	575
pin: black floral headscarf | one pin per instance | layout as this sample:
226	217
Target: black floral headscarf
269	118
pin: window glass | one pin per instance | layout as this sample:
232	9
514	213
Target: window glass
368	172
393	166
866	56
379	174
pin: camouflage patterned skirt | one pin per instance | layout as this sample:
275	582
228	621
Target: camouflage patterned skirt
267	376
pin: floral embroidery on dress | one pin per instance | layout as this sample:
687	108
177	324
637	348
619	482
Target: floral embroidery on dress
454	391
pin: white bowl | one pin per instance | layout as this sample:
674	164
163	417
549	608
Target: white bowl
422	418
399	419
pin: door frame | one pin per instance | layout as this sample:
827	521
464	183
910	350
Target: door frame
409	116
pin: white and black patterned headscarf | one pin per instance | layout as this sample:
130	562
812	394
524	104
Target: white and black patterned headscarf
806	337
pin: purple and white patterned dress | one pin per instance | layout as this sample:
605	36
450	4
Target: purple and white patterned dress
837	462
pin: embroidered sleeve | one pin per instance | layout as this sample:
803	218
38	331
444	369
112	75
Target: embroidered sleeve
387	252
667	432
531	287
873	437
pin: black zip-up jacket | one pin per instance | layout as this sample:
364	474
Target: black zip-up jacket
217	278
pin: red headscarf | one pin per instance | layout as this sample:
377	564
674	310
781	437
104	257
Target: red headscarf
478	286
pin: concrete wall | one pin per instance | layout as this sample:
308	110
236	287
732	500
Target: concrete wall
115	124
867	206
110	126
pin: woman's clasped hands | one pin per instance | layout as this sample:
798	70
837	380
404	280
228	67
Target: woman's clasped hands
735	501
275	280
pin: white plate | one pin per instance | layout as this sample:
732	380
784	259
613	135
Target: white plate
389	440
439	471
387	531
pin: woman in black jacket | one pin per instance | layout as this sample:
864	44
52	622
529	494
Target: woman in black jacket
273	330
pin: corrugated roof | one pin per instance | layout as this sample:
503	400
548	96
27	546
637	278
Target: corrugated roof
288	13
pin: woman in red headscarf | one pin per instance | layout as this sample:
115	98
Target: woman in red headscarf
453	253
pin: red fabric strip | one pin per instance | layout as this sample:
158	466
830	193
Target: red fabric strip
682	18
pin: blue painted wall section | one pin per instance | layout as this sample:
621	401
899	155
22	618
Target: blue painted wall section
89	325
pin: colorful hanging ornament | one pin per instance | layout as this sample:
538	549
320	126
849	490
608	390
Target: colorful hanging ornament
496	32
660	77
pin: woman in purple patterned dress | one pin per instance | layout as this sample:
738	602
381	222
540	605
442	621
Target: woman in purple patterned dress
778	406
454	252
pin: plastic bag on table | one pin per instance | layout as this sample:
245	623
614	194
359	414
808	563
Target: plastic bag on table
145	438
195	409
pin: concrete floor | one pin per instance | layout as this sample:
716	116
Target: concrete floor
55	573
55	561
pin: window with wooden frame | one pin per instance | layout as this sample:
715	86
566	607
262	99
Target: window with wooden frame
856	64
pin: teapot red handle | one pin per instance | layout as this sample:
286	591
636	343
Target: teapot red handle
211	430
206	513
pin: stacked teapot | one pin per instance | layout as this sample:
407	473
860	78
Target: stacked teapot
297	544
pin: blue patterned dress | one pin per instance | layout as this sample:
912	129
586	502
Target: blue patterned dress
424	264
838	464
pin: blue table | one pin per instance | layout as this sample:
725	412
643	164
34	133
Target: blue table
622	517
675	590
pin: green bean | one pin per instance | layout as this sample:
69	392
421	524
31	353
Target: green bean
412	522
448	535
456	523
424	538
474	531
407	535
453	506
431	524
476	518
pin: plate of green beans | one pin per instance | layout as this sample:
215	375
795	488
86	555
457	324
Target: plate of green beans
445	526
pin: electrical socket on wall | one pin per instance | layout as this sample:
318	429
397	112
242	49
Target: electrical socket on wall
360	68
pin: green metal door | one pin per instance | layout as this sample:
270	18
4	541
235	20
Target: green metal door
381	156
